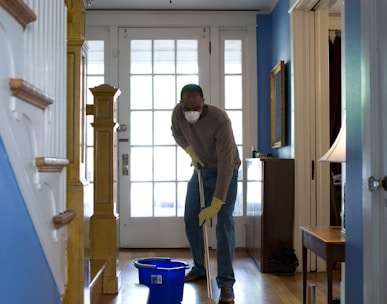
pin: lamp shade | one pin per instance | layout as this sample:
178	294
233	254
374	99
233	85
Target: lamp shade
337	152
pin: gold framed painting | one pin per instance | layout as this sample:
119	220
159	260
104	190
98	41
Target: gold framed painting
277	105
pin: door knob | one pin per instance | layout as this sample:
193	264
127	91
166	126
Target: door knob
376	184
122	127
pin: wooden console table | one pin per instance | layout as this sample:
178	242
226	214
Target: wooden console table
328	244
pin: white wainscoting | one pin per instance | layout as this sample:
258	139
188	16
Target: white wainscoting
37	54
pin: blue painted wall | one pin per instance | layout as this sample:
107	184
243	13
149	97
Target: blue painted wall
354	220
264	66
25	276
273	45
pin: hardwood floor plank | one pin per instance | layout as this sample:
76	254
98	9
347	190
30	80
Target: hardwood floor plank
251	287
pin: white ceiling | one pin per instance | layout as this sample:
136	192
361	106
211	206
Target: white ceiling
251	5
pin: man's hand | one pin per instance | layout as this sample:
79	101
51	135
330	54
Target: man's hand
207	213
194	157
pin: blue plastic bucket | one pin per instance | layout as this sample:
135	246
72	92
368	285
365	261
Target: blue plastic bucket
164	277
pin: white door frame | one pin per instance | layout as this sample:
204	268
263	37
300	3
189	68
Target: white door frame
140	231
310	89
106	23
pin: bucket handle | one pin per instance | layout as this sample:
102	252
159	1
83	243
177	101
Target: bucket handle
150	266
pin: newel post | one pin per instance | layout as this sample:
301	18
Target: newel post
104	221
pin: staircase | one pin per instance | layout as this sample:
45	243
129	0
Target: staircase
132	292
32	123
96	269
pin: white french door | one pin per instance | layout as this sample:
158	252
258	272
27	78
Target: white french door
154	64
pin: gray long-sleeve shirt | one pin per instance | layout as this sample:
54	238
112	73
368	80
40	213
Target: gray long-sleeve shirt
212	139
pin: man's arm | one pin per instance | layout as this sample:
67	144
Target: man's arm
225	150
176	131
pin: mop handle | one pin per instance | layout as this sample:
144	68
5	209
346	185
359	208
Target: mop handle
201	187
205	235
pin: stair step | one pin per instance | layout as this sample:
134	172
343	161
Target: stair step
30	94
97	268
132	292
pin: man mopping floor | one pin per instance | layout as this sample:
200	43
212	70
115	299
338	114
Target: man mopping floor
205	133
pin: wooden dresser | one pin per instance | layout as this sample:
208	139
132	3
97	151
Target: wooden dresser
270	208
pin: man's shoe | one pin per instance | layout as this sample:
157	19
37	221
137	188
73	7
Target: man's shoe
193	276
226	294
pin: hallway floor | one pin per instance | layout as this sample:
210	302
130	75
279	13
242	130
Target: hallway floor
251	287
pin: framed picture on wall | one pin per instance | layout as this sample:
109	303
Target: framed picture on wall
277	105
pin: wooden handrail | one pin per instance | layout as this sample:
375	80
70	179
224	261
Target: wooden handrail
63	218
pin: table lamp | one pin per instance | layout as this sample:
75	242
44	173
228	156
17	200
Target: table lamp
337	154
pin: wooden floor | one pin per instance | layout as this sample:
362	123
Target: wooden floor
251	287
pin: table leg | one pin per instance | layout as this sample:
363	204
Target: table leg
304	270
329	266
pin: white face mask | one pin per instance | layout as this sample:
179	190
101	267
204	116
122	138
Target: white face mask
192	116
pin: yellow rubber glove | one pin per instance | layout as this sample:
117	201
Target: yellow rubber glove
194	157
207	213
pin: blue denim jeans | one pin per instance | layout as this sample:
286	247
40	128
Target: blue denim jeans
225	231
